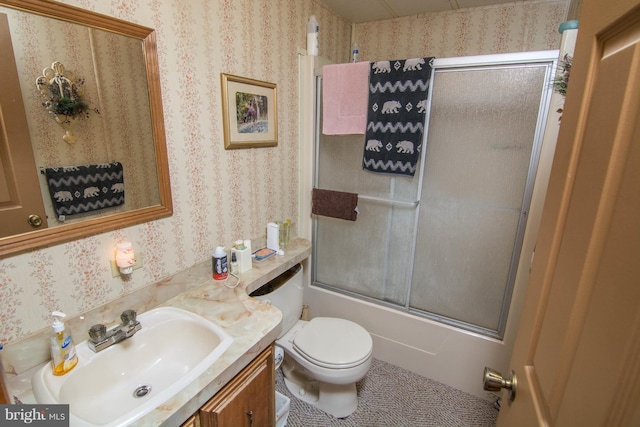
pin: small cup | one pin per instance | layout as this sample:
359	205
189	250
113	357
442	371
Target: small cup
284	234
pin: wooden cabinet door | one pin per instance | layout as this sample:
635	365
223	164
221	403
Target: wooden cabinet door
248	400
193	421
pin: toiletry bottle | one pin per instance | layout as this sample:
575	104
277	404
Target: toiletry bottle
312	36
354	52
234	263
63	350
273	236
220	271
287	229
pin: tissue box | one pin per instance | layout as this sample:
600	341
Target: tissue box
243	257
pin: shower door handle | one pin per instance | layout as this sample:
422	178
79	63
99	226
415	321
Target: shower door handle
494	381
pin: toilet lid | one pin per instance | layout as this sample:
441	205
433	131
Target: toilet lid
333	343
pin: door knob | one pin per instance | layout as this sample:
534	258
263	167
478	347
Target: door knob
494	381
34	220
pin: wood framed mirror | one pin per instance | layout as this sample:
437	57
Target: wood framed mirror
129	126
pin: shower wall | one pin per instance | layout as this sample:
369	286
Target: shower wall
522	26
439	351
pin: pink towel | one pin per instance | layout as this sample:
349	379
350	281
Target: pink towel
345	94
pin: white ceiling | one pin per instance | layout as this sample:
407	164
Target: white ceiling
374	10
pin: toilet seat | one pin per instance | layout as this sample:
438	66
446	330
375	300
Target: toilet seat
333	343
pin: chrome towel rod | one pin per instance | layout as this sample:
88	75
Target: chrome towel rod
389	201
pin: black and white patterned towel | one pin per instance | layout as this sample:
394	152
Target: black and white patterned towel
79	189
395	120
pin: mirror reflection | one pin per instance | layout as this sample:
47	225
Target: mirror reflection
116	75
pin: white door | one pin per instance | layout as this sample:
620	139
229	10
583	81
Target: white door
577	355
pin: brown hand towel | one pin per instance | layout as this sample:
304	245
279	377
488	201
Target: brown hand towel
335	204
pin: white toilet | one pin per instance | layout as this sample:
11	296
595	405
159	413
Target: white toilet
324	357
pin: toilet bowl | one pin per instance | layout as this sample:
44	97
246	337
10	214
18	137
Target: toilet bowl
323	357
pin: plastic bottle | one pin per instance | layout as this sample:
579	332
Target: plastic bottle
63	350
234	263
273	236
312	36
220	269
354	52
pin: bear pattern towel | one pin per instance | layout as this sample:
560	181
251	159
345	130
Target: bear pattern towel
79	189
398	93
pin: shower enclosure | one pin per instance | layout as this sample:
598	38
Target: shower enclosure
444	244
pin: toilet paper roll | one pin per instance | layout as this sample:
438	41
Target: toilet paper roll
273	236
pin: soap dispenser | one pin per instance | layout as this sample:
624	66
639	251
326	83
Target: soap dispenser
63	350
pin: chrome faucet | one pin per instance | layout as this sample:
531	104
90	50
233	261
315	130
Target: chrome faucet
101	338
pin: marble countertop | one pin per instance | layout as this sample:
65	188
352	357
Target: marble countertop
253	324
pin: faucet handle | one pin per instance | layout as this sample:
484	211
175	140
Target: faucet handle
98	333
128	317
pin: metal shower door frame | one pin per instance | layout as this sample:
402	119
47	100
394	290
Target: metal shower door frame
546	59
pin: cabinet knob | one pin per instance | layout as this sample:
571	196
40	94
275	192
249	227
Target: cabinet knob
250	416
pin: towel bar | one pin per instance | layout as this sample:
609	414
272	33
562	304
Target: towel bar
390	201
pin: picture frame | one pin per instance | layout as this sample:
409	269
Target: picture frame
249	112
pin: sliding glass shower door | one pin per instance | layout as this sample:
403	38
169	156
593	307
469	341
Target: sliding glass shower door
444	244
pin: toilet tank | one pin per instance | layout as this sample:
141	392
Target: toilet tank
285	293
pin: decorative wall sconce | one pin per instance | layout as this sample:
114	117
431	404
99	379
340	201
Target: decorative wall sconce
125	257
63	97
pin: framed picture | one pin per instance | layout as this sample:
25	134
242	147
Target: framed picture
249	112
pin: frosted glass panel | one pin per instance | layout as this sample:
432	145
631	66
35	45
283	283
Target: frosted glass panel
340	168
453	263
371	256
479	147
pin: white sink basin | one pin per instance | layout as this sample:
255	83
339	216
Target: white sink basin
173	348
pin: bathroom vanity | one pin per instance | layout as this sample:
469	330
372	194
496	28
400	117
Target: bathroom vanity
248	399
243	375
